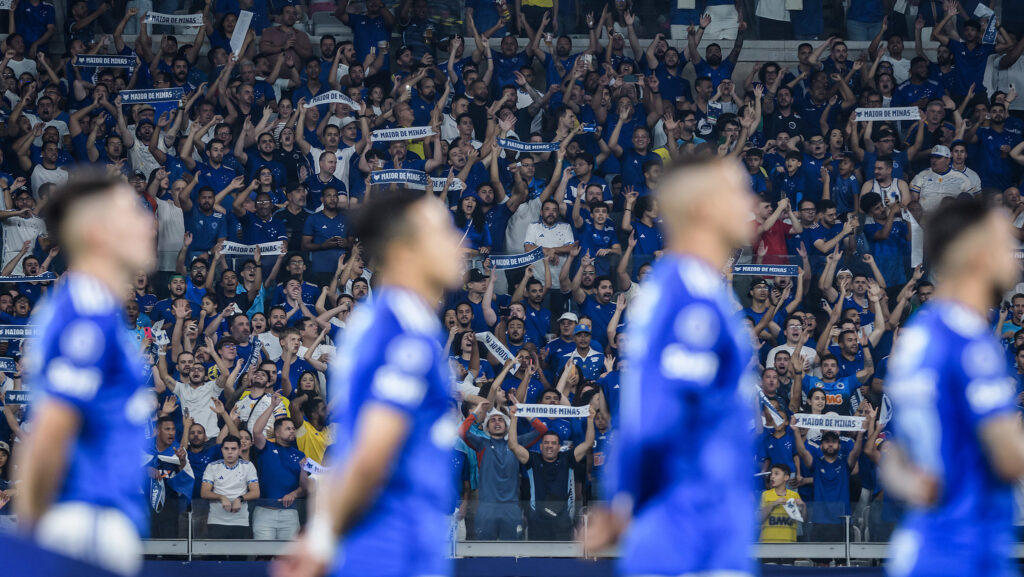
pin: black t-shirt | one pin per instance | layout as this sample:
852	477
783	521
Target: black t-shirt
478	113
293	224
553	484
291	160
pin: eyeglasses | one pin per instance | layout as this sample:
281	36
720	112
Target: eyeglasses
259	202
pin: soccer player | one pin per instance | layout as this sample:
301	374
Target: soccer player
395	429
81	464
689	359
960	448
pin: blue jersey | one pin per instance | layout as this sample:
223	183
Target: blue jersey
394	359
946	381
689	359
87	360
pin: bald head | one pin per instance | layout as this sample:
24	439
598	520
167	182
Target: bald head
709	197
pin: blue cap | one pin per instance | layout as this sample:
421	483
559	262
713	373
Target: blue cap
581	329
469	193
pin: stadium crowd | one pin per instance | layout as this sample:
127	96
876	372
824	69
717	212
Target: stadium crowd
539	150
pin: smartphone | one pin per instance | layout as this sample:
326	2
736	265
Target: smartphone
148	332
589	128
629	78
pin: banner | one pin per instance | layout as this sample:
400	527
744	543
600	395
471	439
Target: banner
399	176
552	411
5	4
266	248
17	397
829	422
333	96
498	349
147	96
45	277
905	113
241	29
518	146
793	510
101	61
12	332
765	269
776	415
182	19
8	365
439	183
313	468
510	261
411	133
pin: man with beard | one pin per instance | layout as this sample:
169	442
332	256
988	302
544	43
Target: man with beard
241	330
326	236
331	143
281	475
203	450
498	516
506	62
782	115
260	226
633	159
324	178
555	239
424	101
598	305
271	340
837	389
712	65
212	173
552	481
919	89
47	170
995	143
668	69
286	38
832	466
294	215
195	282
263	155
295	267
538	319
180	70
590	362
970	55
824	237
204	227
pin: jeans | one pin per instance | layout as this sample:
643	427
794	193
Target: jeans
862	31
275	524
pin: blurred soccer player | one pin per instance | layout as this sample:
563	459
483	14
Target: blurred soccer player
960	447
679	476
81	468
391	494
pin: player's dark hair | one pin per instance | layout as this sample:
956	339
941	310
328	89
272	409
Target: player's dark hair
816	390
829	357
782	467
846	332
231	439
81	185
551	433
384	219
948	224
165	419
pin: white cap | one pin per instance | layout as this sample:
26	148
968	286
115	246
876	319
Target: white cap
569	317
940	150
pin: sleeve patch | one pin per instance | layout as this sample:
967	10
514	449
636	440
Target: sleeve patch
987	395
410	355
82	342
697	325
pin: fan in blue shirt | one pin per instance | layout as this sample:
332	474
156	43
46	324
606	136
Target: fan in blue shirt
970	54
713	66
326	234
91	408
837	390
369	29
959	449
393	405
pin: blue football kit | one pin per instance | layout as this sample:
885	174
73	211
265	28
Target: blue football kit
393	358
684	428
946	381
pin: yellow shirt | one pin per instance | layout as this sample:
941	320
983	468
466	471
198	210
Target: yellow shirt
779	527
313	443
539	3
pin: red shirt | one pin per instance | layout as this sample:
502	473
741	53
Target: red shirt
775	239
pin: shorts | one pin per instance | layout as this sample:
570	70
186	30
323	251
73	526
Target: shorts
424	549
96	535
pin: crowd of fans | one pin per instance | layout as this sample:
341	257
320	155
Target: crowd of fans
240	344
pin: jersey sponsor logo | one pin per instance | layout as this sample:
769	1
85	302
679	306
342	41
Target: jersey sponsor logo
989	394
397	387
833	399
678	362
444	432
67	379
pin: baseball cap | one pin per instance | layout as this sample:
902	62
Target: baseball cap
346	121
758	281
826	435
5	447
581	329
569	317
940	150
143	107
477	275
